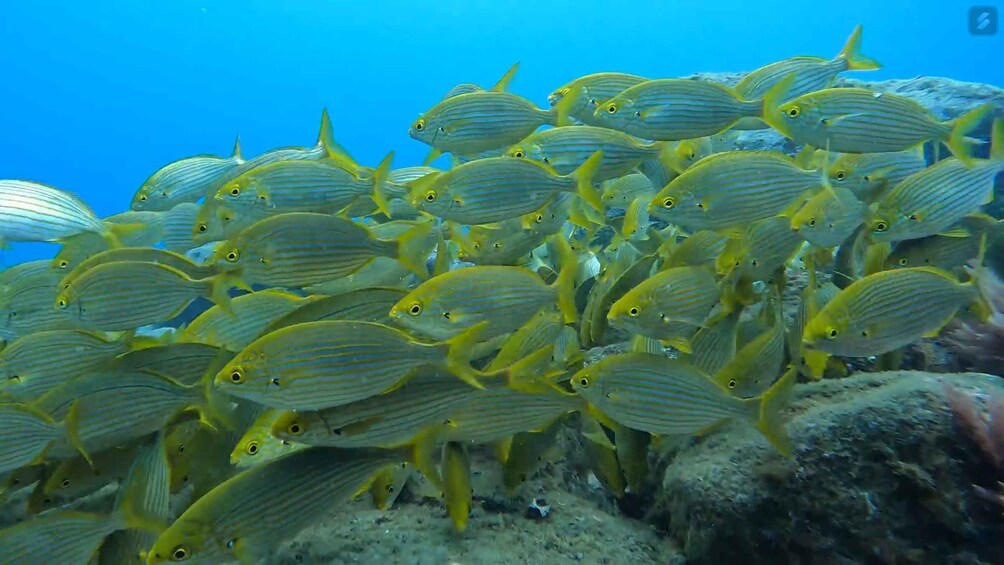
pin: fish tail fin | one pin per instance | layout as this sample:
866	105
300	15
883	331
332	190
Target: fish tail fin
533	373
421	453
503	83
958	142
982	280
72	429
236	154
114	233
997	141
379	178
584	180
458	356
772	100
332	149
432	156
768	412
128	513
560	114
851	54
219	290
414	247
565	283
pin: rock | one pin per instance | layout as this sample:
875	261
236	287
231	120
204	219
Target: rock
880	475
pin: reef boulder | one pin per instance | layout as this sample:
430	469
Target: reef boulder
882	473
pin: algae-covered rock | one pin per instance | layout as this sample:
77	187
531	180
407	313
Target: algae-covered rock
880	475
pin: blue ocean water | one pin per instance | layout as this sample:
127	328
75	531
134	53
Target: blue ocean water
95	96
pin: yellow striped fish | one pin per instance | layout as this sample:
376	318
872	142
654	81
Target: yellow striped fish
217	221
36	363
72	479
624	273
930	201
809	73
507	297
811	363
380	272
257	509
31	211
497	189
673	109
128	294
457	494
322	364
668	397
583	94
26	307
27	432
567	148
250	314
857	120
364	305
185	180
734	189
754	367
829	217
178	222
698	249
526	454
681	294
258	444
299	249
618	193
943	252
714	345
498	412
140	254
870	175
186	363
62	537
767	245
887	310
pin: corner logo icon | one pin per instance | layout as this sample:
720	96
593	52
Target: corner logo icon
983	20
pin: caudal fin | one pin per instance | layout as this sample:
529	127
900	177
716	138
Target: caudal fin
997	141
771	103
458	356
379	178
851	53
72	429
565	283
414	248
960	145
768	415
584	180
115	233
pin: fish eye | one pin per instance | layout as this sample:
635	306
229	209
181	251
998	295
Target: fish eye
142	198
233	256
237	377
584	382
179	553
63	264
881	226
420	125
65	483
732	383
415	309
497	245
430	196
252	448
902	262
812	222
841	175
203	228
914	217
235	191
668	203
518	153
476	246
294	429
794	111
832	333
539	218
612	109
61	303
634	311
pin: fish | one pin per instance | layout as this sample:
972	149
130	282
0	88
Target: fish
870	175
583	94
527	452
727	191
767	245
492	190
389	420
250	314
111	410
26	307
28	432
255	510
11	275
701	248
389	484
185	180
811	363
624	273
39	362
829	217
567	148
674	109
620	192
602	461
328	186
760	361
809	73
542	330
71	479
30	211
125	295
932	200
510	242
363	305
505	296
631	447
940	251
470	123
714	345
61	537
300	249
658	306
78	248
668	397
457	495
185	363
887	310
216	221
146	487
257	444
140	254
858	120
331	363
178	222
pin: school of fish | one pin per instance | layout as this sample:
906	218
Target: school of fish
362	326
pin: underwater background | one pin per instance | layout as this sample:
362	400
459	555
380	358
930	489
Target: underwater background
97	95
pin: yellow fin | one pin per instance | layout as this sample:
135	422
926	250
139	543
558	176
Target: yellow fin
503	83
852	54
